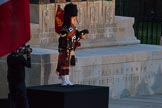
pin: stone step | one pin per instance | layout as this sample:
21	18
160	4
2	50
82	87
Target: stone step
153	101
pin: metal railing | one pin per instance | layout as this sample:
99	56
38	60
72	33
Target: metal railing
148	25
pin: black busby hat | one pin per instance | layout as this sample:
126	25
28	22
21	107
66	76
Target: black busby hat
70	10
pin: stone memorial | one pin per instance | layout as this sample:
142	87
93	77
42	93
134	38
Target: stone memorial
97	16
110	56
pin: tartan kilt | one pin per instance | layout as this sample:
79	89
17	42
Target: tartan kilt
63	64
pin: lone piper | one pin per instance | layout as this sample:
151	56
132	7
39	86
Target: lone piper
68	42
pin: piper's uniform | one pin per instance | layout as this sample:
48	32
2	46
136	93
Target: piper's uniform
68	41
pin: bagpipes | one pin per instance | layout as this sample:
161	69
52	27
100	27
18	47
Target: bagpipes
83	32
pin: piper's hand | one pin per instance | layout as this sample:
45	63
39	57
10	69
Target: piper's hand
83	36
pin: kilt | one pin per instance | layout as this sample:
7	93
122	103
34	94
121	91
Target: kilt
63	64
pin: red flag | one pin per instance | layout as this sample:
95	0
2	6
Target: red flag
14	25
59	19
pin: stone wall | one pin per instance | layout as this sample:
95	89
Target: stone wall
3	78
128	70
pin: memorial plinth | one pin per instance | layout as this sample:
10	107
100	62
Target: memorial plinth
79	96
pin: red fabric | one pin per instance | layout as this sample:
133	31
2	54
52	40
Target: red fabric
14	25
59	19
71	34
77	44
63	64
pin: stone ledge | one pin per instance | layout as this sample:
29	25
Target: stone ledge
128	70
